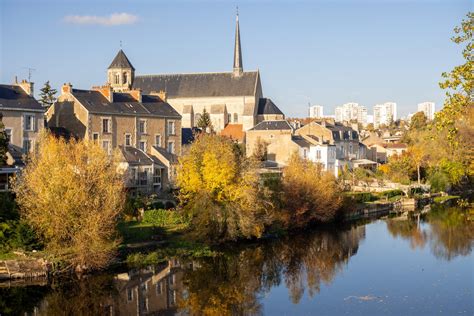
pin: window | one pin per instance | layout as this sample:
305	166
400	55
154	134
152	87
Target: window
171	147
236	117
142	145
134	176
171	128
117	78
128	140
305	153
173	298
27	145
124	76
106	125
318	154
8	132
229	118
142	126
172	279
159	288
95	137
143	176
157	176
158	140
29	122
106	146
129	295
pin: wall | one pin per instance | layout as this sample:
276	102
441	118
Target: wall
13	120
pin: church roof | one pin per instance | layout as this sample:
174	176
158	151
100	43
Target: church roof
124	104
266	106
272	125
218	84
121	61
14	97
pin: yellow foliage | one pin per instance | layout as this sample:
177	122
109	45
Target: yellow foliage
72	193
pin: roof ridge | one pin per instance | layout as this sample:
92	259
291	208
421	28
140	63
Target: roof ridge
193	73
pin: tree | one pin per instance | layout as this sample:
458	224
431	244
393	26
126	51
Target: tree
418	157
370	127
71	193
47	95
204	122
309	193
3	143
219	190
418	121
260	150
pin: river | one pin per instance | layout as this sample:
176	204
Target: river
421	265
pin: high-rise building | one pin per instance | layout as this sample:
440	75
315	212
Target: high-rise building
428	108
385	113
351	112
316	111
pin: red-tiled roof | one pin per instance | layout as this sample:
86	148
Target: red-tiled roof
234	131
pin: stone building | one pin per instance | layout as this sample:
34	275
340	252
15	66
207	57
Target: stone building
229	97
146	129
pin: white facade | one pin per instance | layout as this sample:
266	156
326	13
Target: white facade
316	111
428	108
325	155
351	112
385	113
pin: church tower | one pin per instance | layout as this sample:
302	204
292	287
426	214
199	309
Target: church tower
238	65
120	74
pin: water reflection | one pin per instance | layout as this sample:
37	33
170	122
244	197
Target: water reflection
448	231
235	282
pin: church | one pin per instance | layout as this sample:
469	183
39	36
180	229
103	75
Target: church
230	98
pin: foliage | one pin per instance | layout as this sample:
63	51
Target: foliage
418	121
8	207
399	169
260	150
3	143
134	231
47	95
309	193
71	193
360	197
165	218
204	122
219	191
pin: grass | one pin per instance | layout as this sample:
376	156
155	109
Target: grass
443	199
133	231
8	256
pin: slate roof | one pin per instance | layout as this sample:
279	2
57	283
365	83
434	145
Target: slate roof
136	157
124	104
216	84
272	125
266	106
172	158
14	97
121	61
188	133
300	141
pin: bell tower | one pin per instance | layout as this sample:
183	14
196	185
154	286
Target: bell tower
120	73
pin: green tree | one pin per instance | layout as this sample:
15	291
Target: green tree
418	121
3	142
47	95
204	122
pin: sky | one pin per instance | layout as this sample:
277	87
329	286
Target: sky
308	52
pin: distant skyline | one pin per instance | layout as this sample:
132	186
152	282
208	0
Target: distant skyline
325	53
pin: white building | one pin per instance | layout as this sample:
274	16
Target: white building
316	111
385	113
351	112
428	108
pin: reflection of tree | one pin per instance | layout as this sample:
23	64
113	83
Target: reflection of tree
20	300
408	229
450	232
231	284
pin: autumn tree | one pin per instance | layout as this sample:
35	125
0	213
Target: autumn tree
3	142
71	193
219	190
418	121
418	157
309	193
47	95
204	122
260	150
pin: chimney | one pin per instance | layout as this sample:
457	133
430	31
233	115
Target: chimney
136	94
106	91
161	94
27	87
66	88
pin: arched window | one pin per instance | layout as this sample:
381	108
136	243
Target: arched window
124	78
236	117
117	78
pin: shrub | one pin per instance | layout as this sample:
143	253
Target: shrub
361	197
164	218
390	193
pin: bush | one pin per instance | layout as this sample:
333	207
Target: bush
164	218
390	193
361	197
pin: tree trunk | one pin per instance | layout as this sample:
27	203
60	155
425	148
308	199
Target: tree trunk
418	170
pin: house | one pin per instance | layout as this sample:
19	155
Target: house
230	97
23	118
381	152
146	129
276	136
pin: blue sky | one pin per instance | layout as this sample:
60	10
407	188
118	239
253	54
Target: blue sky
322	52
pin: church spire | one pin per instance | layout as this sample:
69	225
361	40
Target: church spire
238	66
